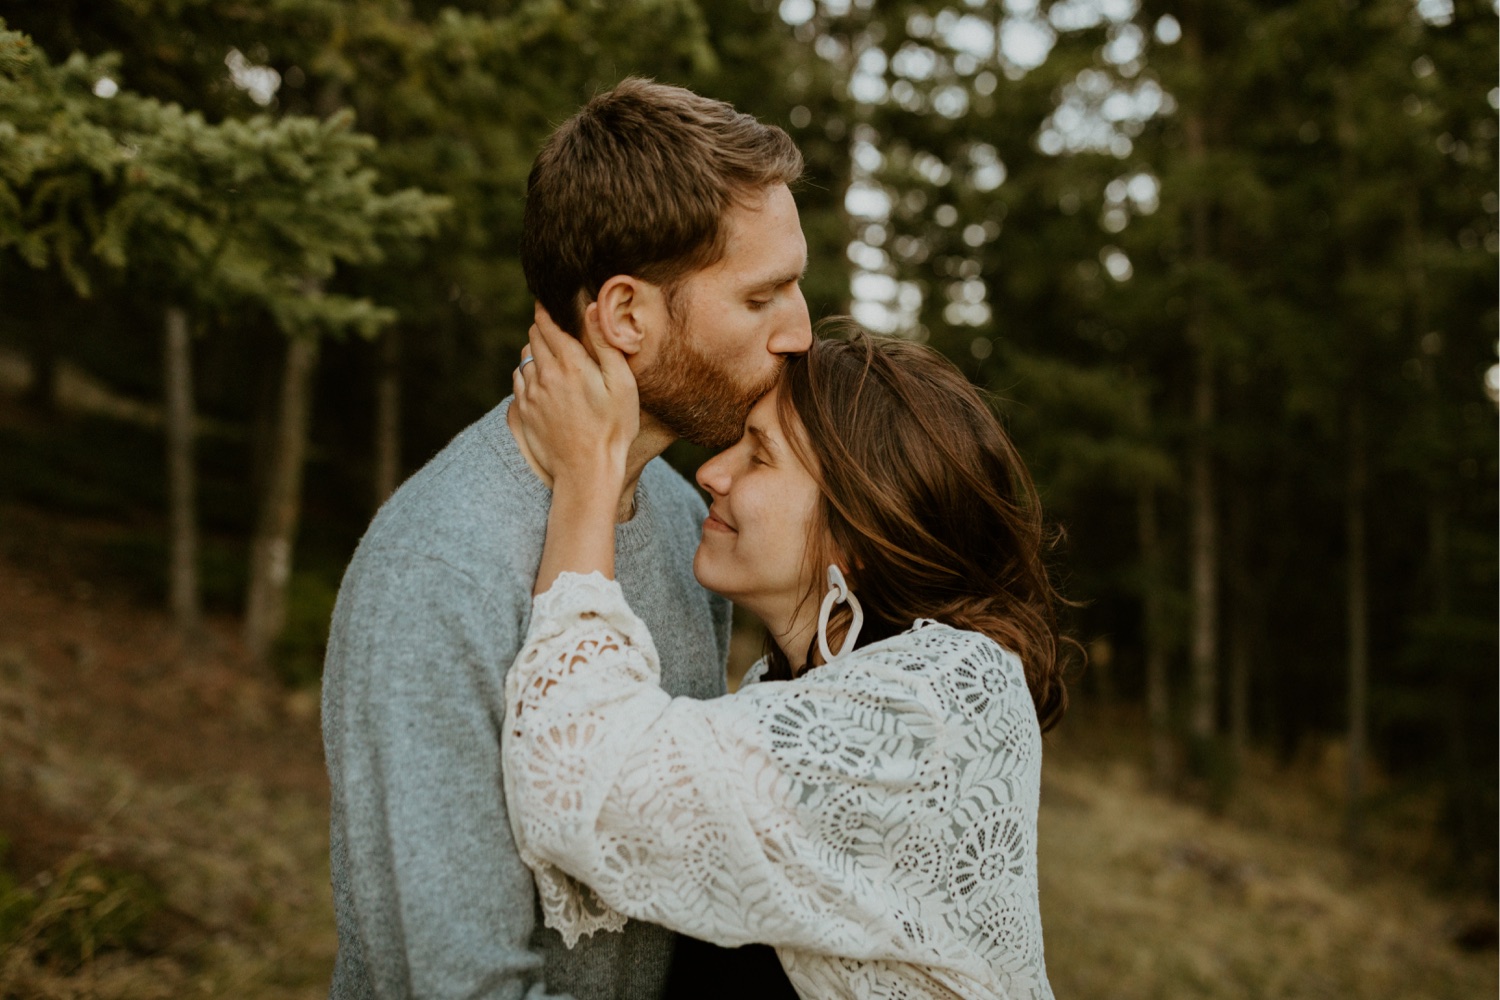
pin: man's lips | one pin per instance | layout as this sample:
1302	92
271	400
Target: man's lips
715	523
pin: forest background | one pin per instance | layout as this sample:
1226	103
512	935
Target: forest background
1228	268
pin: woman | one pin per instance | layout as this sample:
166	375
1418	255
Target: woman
867	805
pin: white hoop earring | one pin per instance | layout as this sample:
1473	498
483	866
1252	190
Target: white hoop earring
838	592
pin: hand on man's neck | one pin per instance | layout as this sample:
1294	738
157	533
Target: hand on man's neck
652	439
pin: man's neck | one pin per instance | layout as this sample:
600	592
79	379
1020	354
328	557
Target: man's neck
650	441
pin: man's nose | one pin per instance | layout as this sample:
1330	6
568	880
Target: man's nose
794	335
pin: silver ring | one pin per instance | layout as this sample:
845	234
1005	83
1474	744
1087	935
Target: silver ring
524	362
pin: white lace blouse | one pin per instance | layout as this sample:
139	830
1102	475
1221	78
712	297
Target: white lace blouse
874	820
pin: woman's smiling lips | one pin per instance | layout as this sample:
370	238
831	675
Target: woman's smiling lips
714	523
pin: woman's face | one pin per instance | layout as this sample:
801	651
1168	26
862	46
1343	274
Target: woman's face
764	502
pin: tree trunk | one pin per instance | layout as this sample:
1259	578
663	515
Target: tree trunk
1203	647
265	393
280	504
182	567
1239	687
1438	557
43	320
1357	474
388	417
1158	697
1358	621
1205	637
1241	632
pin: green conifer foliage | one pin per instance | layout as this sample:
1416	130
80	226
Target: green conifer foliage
1252	241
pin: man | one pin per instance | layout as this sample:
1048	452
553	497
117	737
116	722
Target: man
658	221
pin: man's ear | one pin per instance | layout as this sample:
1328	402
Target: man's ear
623	313
616	314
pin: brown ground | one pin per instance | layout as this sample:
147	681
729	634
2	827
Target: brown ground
188	784
123	751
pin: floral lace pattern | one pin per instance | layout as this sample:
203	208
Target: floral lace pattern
874	820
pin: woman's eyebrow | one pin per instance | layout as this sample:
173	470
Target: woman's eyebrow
762	438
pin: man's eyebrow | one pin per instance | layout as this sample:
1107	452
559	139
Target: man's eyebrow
776	281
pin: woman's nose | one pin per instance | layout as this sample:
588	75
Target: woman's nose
713	475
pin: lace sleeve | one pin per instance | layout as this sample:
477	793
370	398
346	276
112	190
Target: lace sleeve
557	749
831	815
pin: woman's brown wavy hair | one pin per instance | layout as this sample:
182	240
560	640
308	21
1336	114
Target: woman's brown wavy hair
925	503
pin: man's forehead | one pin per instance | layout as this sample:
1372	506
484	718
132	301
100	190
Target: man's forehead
765	231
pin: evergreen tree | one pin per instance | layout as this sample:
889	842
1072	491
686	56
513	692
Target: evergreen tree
1235	266
253	214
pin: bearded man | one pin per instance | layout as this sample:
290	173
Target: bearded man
659	222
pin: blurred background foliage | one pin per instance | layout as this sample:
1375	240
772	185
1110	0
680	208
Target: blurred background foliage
1229	270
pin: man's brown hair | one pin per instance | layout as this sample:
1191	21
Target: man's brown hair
638	182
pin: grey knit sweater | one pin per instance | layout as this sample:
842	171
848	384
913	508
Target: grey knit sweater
431	899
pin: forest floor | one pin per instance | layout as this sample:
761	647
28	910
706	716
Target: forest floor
163	811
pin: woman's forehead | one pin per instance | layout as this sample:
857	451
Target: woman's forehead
764	419
764	425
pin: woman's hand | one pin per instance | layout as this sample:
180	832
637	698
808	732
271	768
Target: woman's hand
579	412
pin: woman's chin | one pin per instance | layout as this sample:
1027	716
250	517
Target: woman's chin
711	576
703	571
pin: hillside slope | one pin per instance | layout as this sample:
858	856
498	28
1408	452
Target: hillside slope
166	810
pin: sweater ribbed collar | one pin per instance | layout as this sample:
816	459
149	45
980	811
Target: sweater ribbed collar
631	536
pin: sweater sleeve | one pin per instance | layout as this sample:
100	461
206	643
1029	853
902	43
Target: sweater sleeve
434	895
775	815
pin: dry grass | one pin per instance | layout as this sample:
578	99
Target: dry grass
167	812
165	808
1146	897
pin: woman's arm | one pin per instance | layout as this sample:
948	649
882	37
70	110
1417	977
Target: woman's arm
770	816
579	416
580	528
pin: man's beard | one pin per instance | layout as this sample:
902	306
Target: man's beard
695	398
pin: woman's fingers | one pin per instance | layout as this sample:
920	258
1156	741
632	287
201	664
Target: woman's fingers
539	349
615	367
563	363
550	342
574	398
540	317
